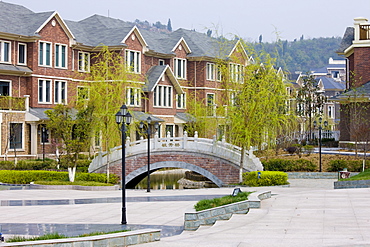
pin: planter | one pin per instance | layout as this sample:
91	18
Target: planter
210	216
114	239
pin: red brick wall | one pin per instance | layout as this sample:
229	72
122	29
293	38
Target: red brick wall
223	169
360	65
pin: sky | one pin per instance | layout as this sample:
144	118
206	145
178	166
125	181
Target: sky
273	19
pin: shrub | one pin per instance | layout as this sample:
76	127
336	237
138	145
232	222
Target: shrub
267	178
351	165
7	165
25	177
291	150
299	165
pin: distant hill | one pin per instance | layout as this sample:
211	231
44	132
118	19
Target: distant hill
301	55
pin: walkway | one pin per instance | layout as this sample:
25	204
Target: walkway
309	212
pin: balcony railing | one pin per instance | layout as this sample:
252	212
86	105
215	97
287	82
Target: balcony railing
365	32
12	103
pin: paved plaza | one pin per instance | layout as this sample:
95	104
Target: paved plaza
307	213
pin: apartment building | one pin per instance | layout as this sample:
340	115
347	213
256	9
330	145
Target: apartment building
41	54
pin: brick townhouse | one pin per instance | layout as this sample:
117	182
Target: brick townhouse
355	104
41	53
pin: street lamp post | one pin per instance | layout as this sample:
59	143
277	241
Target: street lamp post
43	137
123	118
320	129
149	132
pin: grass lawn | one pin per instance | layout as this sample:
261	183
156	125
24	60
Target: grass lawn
216	202
365	175
55	235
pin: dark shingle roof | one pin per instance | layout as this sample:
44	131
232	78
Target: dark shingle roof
99	30
330	83
347	39
153	75
15	68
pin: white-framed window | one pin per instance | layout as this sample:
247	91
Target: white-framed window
83	61
163	96
218	73
44	91
22	53
133	96
236	72
83	93
5	88
233	98
133	61
181	101
331	111
45	53
170	130
16	136
211	107
211	71
60	56
5	51
60	92
161	62
180	68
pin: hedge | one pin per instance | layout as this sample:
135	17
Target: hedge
265	178
300	165
25	177
351	165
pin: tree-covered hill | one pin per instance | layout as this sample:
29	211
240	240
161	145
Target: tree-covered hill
302	55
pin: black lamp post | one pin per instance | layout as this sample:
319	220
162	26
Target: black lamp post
320	129
43	138
123	118
148	131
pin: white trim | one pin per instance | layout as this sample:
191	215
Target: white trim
60	56
205	88
141	38
2	42
84	53
44	57
59	18
44	91
187	48
137	64
60	92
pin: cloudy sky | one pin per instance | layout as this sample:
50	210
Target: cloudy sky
287	19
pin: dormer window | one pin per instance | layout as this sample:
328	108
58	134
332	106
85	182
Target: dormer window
4	51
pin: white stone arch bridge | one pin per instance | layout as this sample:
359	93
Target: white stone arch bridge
217	160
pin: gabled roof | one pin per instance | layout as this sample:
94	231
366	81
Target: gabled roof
185	45
61	22
156	73
138	34
331	84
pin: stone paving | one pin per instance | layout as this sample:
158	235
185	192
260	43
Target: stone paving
309	212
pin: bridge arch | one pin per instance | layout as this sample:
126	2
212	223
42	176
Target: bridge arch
136	176
217	160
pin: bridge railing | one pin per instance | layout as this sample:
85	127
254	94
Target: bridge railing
220	149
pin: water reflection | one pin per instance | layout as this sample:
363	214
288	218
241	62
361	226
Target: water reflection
163	180
175	179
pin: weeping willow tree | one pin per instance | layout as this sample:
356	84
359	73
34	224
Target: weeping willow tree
251	108
104	93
